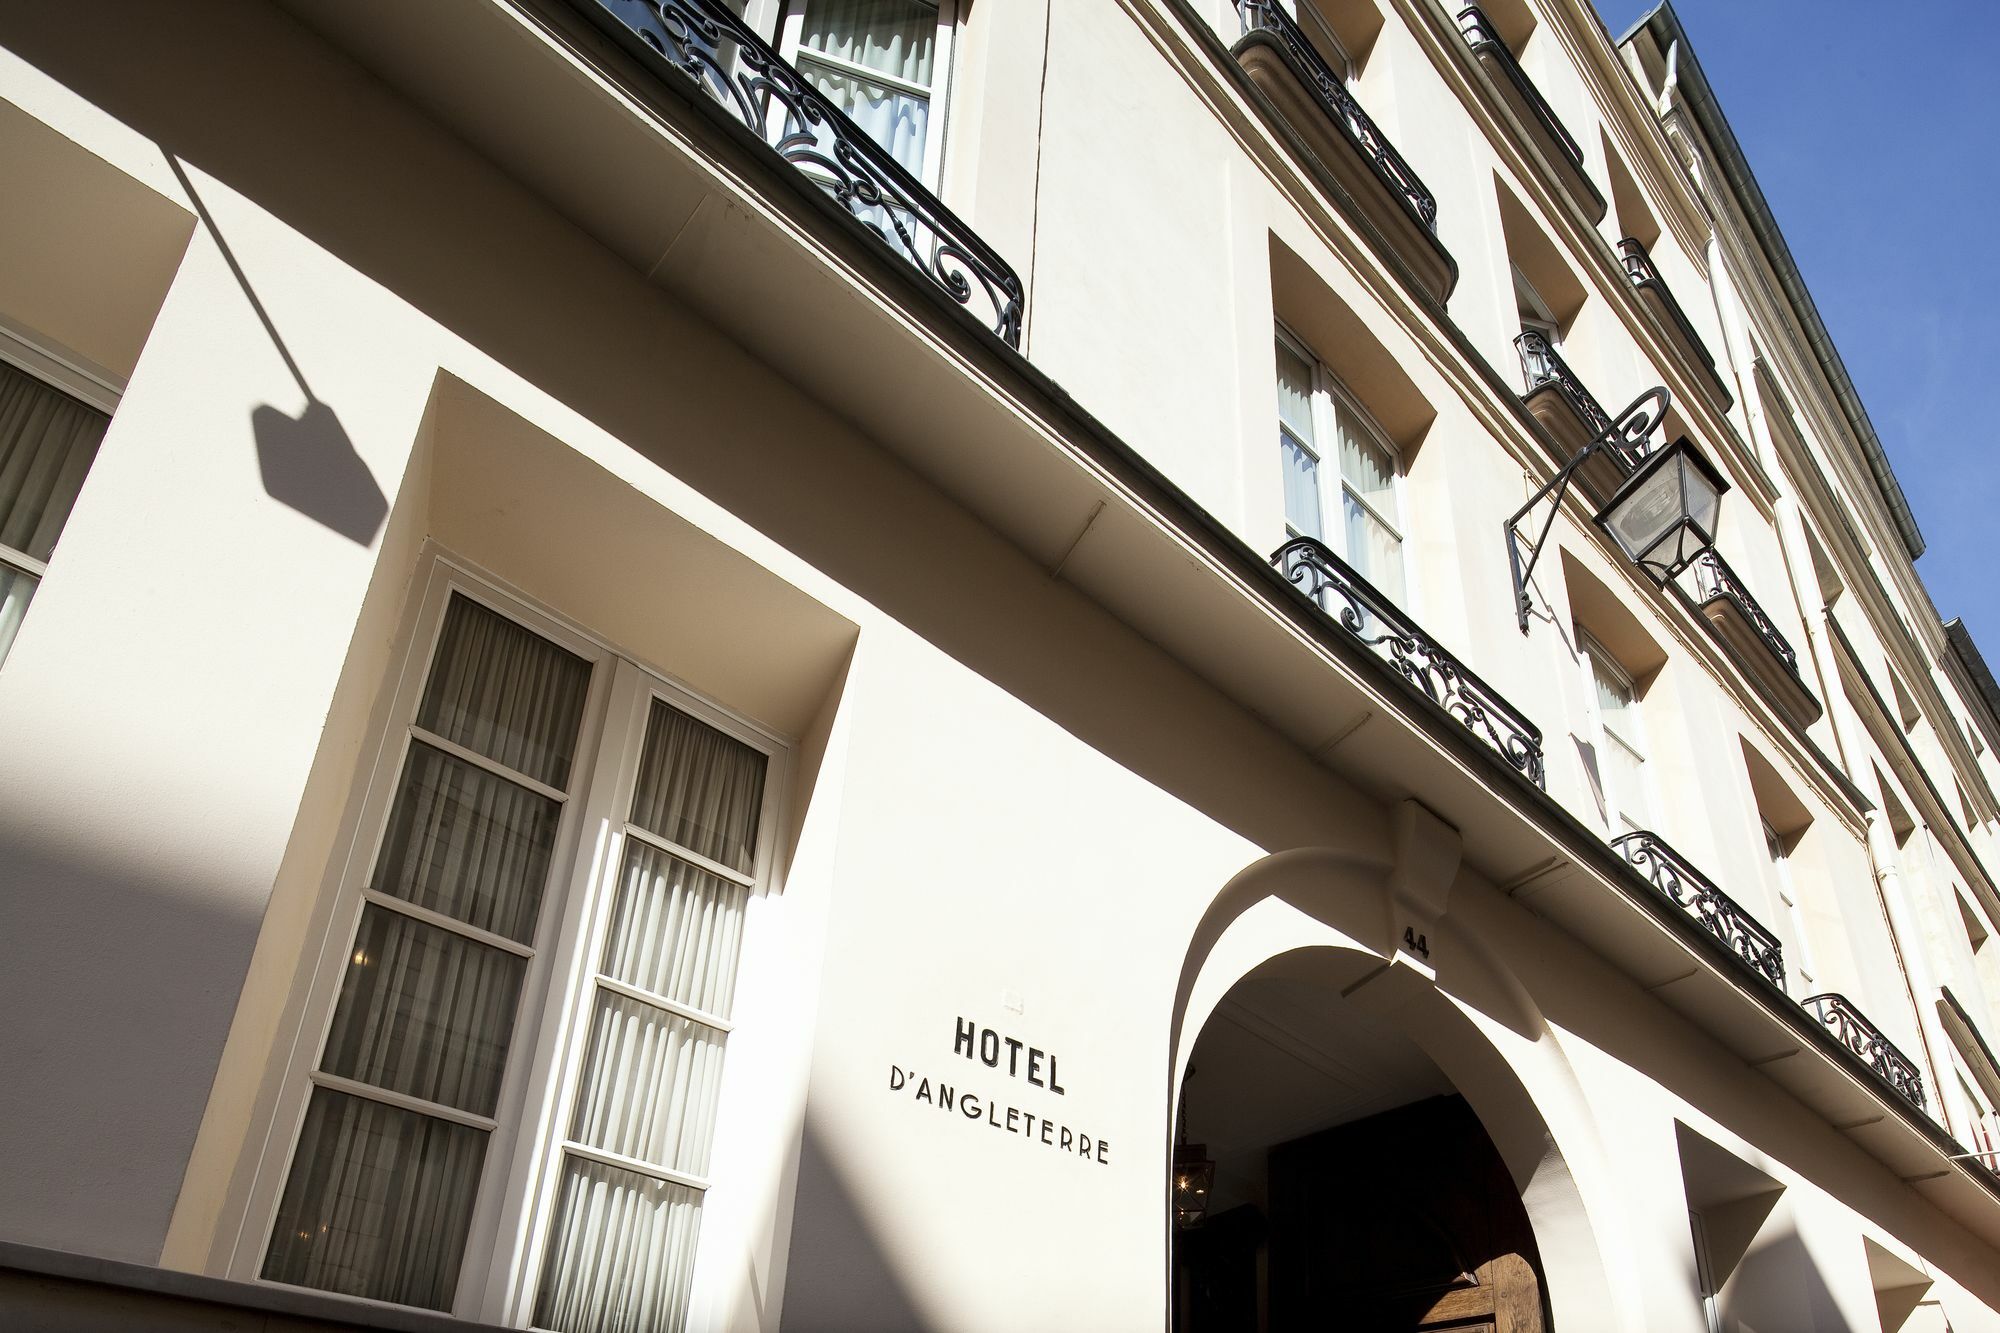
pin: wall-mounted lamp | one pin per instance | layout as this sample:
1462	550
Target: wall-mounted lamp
1662	517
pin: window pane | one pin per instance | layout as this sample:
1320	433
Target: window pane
649	1085
47	440
17	589
505	692
896	120
1295	386
1301	488
1624	781
676	930
894	37
1614	696
424	1012
620	1253
1373	550
1368	469
468	844
699	788
378	1203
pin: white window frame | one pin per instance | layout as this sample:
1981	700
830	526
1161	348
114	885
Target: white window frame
1532	310
791	31
1704	1272
1804	969
1333	406
516	1193
1593	655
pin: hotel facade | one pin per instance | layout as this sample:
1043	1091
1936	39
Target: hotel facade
978	665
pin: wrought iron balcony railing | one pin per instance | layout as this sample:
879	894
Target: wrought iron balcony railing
1862	1037
1649	283
1542	364
1342	109
707	44
1639	268
1363	611
1694	893
1484	38
1714	578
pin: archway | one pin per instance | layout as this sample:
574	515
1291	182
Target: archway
1380	1162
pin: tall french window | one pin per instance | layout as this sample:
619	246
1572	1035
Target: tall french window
47	441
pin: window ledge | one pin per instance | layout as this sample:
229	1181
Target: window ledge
1277	73
58	1285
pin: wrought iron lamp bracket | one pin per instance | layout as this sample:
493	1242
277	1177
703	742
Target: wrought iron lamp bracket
1625	435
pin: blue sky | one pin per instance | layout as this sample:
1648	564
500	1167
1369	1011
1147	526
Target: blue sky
1875	134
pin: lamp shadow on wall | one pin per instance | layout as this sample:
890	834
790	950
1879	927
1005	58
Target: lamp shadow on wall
307	462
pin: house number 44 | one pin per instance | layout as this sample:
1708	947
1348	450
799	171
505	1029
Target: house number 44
1416	943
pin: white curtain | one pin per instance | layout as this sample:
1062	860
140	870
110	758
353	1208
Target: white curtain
425	1012
378	1203
650	1093
699	788
380	1198
675	930
47	442
17	589
893	37
505	692
621	1253
621	1247
467	843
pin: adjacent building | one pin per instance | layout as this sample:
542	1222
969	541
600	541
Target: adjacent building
978	664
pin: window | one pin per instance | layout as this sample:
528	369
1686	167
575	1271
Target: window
48	438
526	760
1365	489
1536	316
883	62
1800	953
1704	1271
1616	740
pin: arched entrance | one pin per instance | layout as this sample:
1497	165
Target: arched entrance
1406	1109
1353	1187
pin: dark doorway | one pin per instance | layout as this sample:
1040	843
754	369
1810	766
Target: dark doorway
1354	1189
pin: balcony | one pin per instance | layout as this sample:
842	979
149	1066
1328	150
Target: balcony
1715	911
1570	413
1863	1038
1750	638
1558	149
1655	293
1398	208
702	42
1380	625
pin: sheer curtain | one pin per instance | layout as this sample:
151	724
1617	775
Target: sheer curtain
621	1247
843	41
47	442
380	1197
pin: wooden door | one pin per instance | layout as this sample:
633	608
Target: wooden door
1406	1222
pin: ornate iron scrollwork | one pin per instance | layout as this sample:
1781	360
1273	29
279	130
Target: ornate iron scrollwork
1716	912
1714	578
1862	1037
1362	610
735	67
1269	16
1542	364
1484	38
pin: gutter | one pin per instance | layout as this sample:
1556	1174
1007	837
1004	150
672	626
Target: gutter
1666	28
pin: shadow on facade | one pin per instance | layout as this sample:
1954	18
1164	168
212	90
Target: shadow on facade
839	1275
472	250
307	461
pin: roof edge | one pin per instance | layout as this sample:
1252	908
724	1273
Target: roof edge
1667	30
